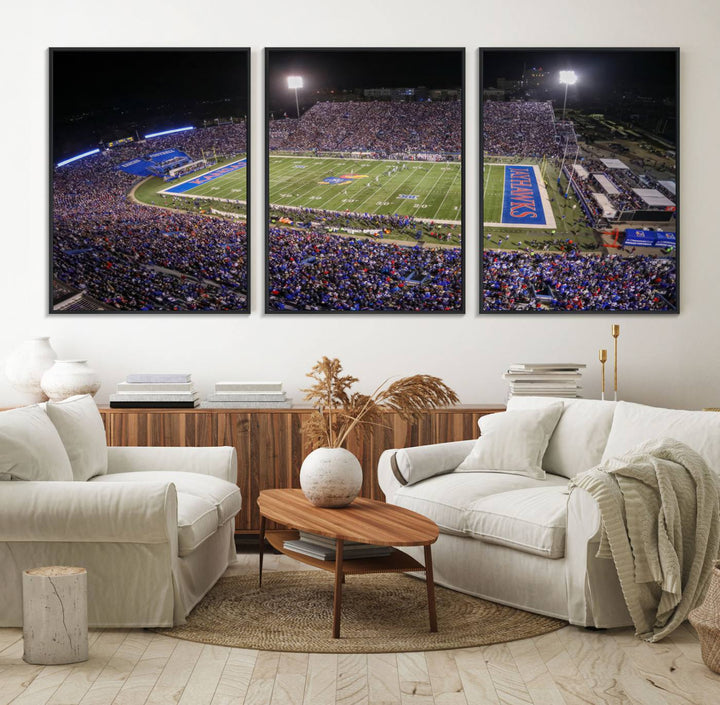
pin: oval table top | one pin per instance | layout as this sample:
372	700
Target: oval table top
364	520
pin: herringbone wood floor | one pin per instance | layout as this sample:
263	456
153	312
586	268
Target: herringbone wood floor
570	666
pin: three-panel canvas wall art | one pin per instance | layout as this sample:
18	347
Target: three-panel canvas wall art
365	194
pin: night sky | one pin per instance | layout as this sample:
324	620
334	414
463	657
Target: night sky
108	94
601	74
347	69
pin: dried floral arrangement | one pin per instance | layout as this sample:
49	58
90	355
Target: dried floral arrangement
338	410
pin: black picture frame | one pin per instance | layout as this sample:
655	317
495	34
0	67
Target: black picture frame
304	232
592	164
134	117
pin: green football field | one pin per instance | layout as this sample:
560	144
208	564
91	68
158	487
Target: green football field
228	187
570	221
429	190
493	186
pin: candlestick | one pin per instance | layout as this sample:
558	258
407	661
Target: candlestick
603	360
615	330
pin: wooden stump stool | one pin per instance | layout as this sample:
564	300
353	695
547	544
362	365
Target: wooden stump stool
706	620
55	615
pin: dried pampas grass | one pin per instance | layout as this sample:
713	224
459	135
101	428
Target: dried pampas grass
338	410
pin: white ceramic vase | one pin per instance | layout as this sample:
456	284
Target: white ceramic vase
26	365
331	477
66	378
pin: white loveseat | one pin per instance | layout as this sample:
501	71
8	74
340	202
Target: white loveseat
154	527
527	541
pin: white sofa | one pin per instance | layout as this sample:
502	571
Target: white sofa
527	541
154	527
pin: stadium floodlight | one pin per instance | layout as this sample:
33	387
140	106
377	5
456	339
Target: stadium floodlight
295	82
77	156
569	78
168	132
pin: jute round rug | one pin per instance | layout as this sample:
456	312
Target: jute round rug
380	613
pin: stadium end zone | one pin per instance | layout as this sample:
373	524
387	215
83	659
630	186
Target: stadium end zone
525	202
184	187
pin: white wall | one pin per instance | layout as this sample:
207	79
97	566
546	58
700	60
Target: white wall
665	360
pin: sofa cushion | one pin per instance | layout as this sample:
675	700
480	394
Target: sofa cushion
513	442
81	429
532	520
635	423
197	521
580	437
446	499
30	447
223	495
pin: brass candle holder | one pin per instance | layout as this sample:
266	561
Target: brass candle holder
615	330
603	360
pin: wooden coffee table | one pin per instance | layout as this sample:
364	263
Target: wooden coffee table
365	520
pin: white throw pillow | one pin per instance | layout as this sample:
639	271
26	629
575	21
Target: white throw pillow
635	423
513	442
30	447
80	426
579	439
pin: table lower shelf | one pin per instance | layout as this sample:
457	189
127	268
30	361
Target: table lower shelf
396	562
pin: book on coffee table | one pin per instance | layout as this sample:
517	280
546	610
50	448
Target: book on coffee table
327	553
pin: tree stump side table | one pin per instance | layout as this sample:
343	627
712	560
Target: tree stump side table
706	620
55	624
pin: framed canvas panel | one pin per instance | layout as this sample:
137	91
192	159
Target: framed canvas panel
580	189
149	180
365	180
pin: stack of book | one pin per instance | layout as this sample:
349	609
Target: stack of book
156	391
323	548
247	395
544	379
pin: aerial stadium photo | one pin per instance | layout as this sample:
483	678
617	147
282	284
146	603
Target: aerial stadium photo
365	180
580	180
149	180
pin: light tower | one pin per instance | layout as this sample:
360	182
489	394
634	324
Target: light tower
569	78
295	82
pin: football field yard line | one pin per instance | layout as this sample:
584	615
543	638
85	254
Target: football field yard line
434	216
457	173
492	194
392	197
286	175
435	183
444	185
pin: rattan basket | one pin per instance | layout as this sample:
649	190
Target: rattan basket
706	620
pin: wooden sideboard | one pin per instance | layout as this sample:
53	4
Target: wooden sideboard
270	443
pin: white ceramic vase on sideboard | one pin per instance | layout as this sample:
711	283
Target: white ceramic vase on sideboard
66	378
331	477
26	365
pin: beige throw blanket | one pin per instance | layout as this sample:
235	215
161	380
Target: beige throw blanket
659	509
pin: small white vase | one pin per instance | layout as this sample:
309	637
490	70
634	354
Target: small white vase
66	378
26	365
331	477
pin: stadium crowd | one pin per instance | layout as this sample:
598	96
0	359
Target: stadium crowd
573	281
329	217
379	127
135	257
519	128
309	270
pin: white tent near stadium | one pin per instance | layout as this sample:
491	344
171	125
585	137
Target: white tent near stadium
669	186
614	164
652	197
607	185
608	210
